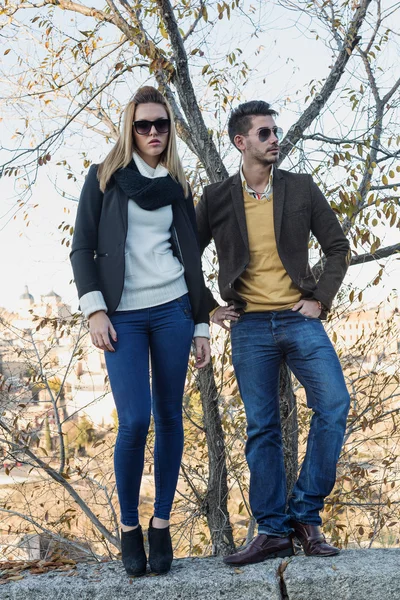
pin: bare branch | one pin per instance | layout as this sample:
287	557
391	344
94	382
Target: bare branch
132	11
390	93
67	5
378	24
69	488
382	253
54	136
54	403
87	70
389	186
371	77
388	155
319	137
121	23
50	533
202	140
195	22
313	110
100	114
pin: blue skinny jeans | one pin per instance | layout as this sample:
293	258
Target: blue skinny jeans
162	335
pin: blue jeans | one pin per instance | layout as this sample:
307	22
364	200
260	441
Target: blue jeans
260	341
166	332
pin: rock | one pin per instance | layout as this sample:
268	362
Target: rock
189	579
352	575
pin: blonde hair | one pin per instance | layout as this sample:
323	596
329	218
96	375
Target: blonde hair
121	154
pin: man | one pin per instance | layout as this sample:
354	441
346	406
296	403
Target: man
261	220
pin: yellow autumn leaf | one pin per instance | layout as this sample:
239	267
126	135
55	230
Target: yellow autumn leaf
163	31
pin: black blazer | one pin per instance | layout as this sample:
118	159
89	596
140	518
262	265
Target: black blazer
98	245
300	209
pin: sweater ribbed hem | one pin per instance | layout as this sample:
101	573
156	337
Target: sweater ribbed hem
148	297
92	302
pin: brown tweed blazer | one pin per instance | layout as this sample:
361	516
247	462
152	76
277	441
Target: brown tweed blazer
300	209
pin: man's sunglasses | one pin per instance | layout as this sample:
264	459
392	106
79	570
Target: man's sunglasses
144	127
265	132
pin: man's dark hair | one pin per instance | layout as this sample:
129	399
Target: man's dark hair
240	119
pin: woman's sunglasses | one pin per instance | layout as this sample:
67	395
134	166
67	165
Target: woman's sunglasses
144	127
265	132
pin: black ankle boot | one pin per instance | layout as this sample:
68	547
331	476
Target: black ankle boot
133	554
160	549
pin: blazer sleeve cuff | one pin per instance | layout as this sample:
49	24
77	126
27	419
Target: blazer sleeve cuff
92	302
202	330
325	301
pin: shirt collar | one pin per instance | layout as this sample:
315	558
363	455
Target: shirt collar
247	188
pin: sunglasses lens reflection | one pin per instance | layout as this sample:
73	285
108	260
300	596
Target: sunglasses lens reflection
265	133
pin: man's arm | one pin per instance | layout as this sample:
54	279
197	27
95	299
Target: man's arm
334	244
191	213
205	237
203	223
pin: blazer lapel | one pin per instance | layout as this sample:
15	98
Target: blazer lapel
279	200
238	205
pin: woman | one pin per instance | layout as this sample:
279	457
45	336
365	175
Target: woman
137	268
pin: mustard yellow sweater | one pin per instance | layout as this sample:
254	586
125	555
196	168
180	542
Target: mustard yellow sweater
265	285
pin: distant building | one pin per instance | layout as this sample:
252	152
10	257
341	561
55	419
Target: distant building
51	305
29	333
26	300
371	331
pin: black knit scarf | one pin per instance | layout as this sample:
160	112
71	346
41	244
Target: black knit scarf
148	193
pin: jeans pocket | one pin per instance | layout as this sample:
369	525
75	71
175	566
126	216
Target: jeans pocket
185	306
305	317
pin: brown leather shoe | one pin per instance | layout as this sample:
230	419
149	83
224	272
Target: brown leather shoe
260	548
313	540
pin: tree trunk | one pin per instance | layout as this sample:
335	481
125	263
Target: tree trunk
215	502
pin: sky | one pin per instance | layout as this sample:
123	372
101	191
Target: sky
34	255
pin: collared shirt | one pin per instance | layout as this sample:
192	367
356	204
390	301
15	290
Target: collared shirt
266	194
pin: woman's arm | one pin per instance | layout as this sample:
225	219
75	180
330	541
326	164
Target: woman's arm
84	246
84	241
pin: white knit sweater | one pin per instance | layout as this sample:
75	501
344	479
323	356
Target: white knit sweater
153	275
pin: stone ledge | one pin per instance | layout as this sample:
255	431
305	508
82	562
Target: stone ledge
189	579
353	575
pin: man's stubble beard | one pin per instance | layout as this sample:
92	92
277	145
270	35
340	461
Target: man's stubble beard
257	156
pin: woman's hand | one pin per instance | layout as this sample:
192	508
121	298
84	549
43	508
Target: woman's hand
203	352
100	328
